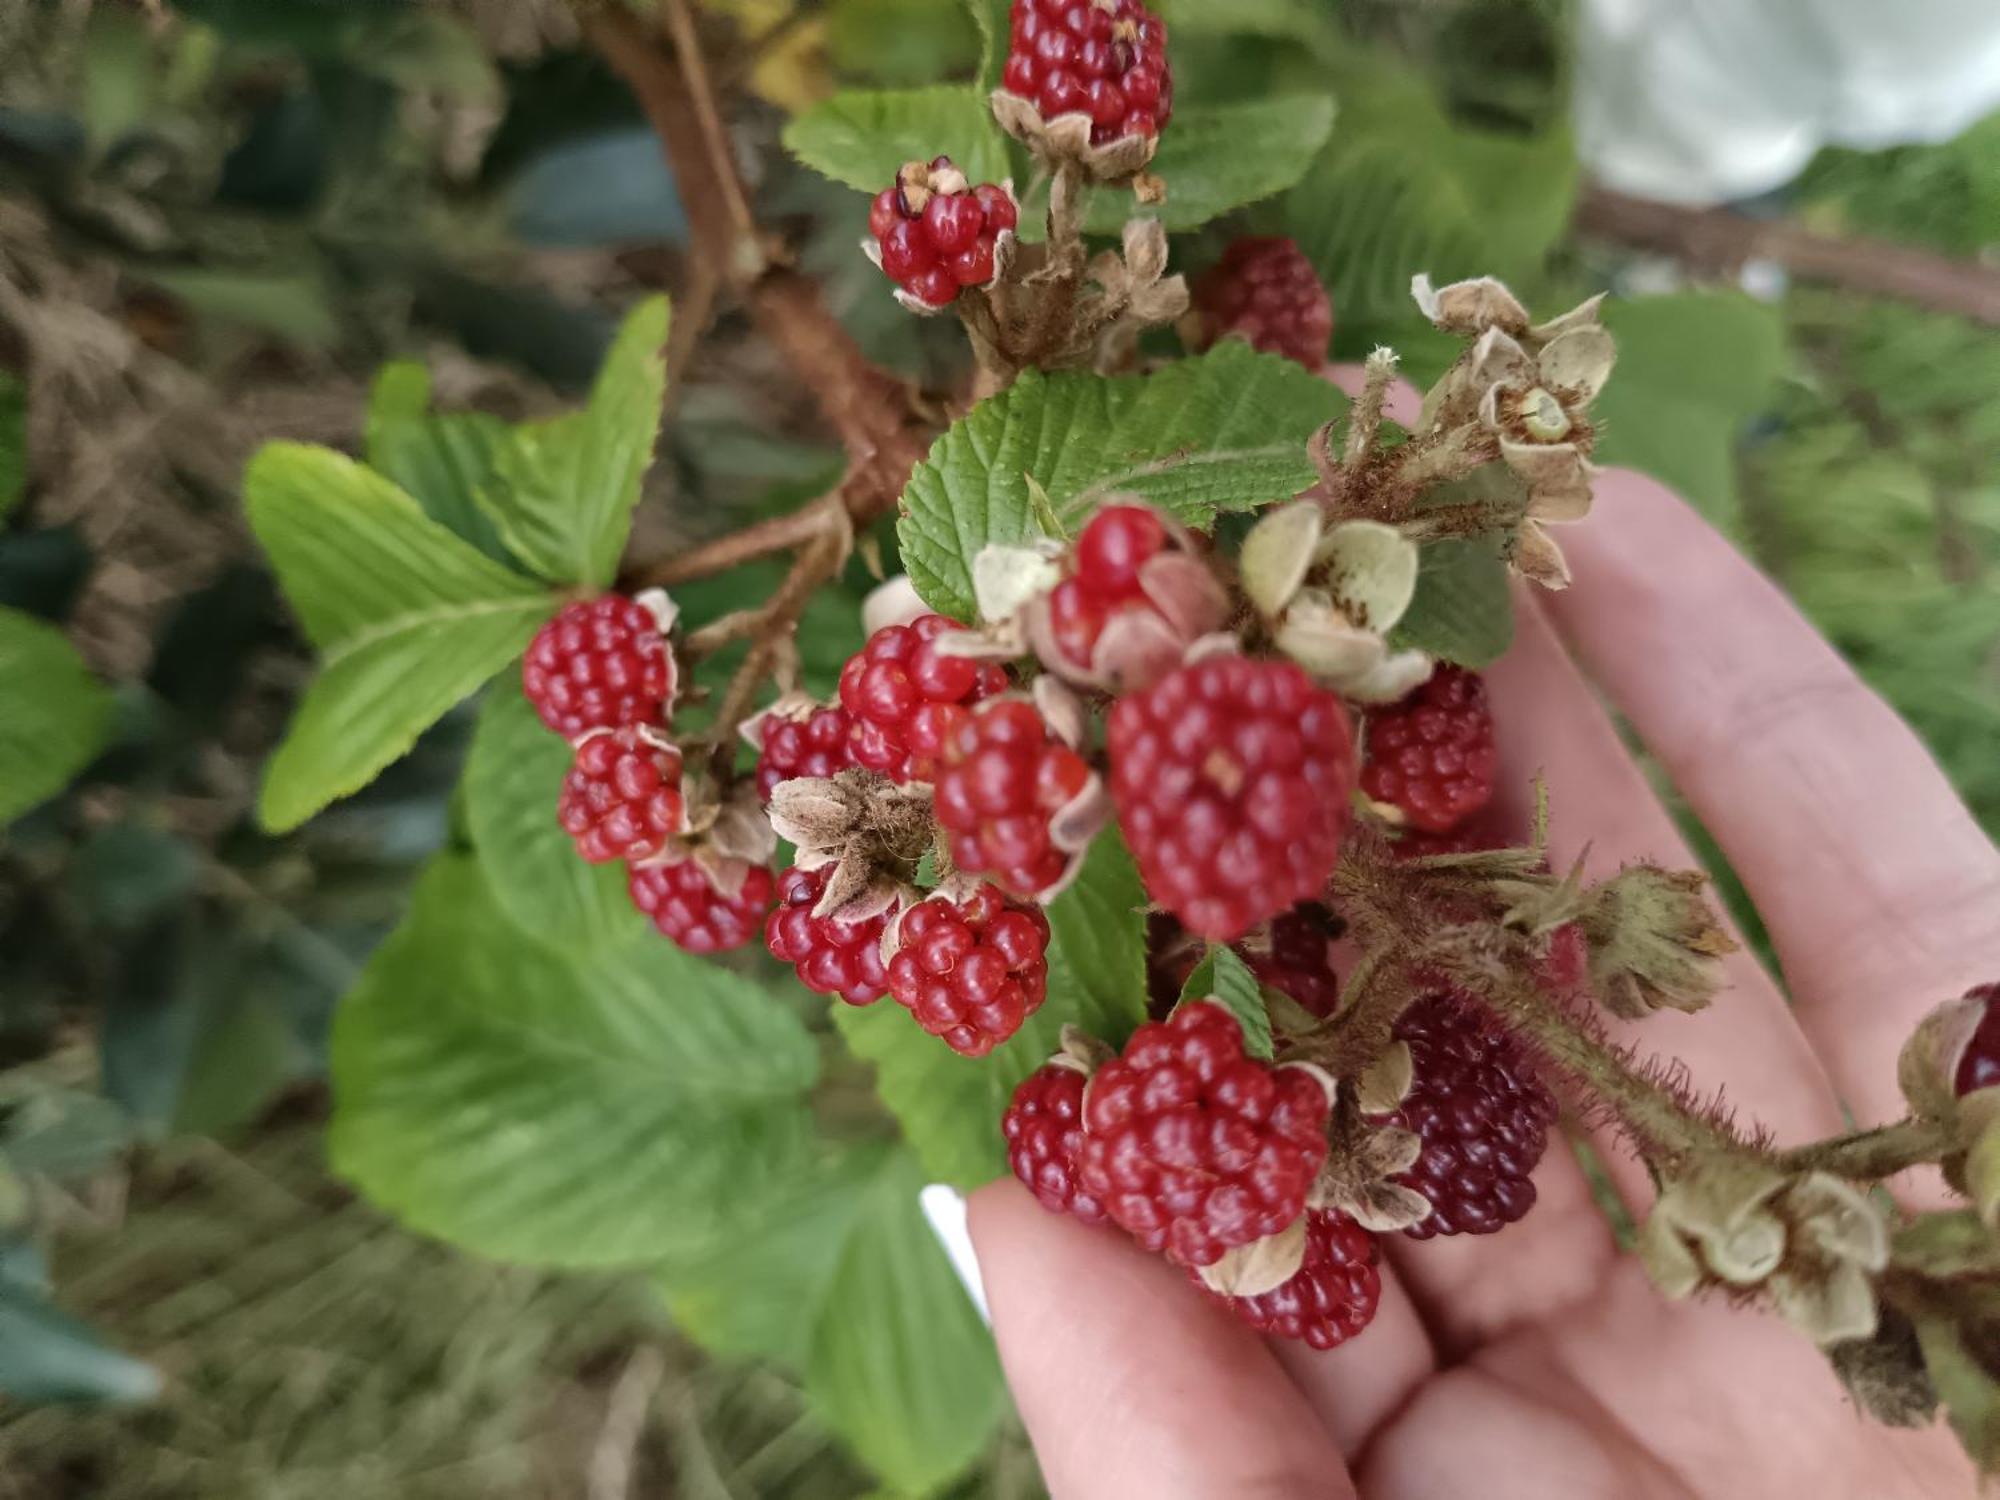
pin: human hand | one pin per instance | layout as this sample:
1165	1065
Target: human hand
1541	1362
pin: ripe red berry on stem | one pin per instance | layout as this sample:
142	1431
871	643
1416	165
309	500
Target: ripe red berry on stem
1043	1127
971	972
1482	1114
936	232
833	956
599	664
1979	1064
1330	1298
816	745
684	904
1232	778
1194	1148
1265	291
1002	778
1104	58
1432	755
622	796
904	697
1104	576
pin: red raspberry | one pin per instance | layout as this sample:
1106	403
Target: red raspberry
1483	1116
622	796
1264	290
1104	58
599	664
971	973
832	956
1299	959
1330	1298
905	696
685	905
817	745
1232	778
1979	1065
1432	755
1004	776
936	233
1193	1147
1104	577
1044	1131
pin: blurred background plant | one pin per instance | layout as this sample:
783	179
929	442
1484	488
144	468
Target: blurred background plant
218	218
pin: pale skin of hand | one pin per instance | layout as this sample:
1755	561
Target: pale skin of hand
1540	1363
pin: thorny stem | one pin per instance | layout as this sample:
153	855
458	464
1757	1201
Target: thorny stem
1870	1155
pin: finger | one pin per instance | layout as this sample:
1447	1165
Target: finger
1132	1383
1746	1045
1881	894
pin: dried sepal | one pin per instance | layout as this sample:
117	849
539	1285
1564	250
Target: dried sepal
1357	1178
1332	595
1260	1266
1066	139
1927	1067
1384	1083
1082	1051
1655	942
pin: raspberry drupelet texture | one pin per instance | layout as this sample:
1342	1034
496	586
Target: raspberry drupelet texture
1232	778
1298	958
1003	778
971	973
1103	58
833	956
1104	577
599	664
1432	754
1043	1127
1194	1148
622	796
936	232
816	745
1979	1065
1482	1114
1333	1294
904	697
685	905
1265	291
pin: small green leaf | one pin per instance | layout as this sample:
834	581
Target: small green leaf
575	1110
46	1355
292	306
513	776
861	137
444	459
53	714
950	1106
1462	611
1218	157
1223	977
563	492
1224	432
13	441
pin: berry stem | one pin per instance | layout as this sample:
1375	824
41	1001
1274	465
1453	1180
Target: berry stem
1870	1155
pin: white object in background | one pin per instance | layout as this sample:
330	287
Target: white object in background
1698	101
944	1207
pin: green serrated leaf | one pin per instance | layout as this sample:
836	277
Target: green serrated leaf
860	137
13	441
1218	157
563	491
513	776
443	459
1223	432
53	714
950	1106
994	20
1462	611
574	1110
1223	977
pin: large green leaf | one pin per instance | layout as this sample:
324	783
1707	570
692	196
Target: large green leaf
513	777
1223	432
411	620
558	1109
995	23
860	137
53	713
1693	367
563	491
1217	157
838	1276
1462	610
950	1106
444	459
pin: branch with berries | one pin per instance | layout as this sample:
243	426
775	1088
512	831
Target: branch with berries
1180	837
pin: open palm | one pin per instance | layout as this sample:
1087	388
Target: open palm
1540	1362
